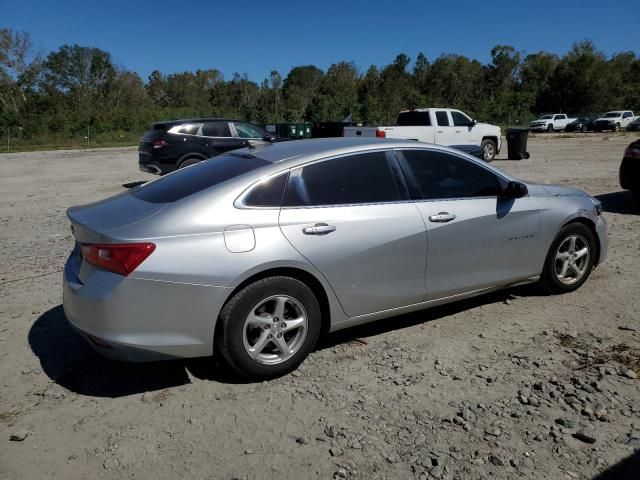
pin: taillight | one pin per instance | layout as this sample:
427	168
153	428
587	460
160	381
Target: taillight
121	258
381	134
632	152
160	144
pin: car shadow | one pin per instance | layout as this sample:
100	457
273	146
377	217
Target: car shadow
131	185
619	202
68	360
626	469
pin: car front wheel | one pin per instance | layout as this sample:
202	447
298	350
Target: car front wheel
570	259
269	327
489	149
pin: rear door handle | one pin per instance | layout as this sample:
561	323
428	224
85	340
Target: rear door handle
439	131
319	229
442	217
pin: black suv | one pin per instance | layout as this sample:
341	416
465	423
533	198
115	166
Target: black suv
174	144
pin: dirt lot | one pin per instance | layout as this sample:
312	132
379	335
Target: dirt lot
507	385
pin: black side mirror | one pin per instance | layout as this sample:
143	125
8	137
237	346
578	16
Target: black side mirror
514	190
473	123
268	137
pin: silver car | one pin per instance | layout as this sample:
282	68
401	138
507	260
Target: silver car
257	252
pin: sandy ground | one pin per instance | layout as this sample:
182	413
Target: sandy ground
507	385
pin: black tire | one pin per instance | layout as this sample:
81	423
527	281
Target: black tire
583	129
636	196
230	340
616	127
549	128
489	150
526	155
549	279
189	161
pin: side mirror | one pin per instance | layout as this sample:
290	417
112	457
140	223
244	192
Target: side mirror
473	123
268	137
514	190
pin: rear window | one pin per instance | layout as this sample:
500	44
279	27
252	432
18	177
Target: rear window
413	119
198	177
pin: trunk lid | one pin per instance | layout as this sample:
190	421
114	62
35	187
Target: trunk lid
91	223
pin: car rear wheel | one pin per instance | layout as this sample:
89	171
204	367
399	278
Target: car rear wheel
489	149
269	327
189	161
570	259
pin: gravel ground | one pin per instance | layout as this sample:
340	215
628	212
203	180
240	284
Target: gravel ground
507	385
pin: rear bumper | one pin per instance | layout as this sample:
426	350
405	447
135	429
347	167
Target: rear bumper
141	320
147	163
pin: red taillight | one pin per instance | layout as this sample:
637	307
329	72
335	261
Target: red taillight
121	258
381	134
160	144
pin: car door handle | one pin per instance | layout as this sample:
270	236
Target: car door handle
439	131
319	229
442	217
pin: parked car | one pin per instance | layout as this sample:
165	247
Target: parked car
550	123
581	124
442	126
261	249
630	170
175	144
614	121
634	126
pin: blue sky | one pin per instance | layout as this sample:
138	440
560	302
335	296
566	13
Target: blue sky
257	36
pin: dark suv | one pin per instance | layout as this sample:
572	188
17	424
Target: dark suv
174	144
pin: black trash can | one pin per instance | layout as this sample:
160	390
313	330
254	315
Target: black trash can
517	143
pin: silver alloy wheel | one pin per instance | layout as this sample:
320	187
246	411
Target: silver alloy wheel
275	329
572	259
489	151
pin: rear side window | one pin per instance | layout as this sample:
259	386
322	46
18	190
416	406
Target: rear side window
216	129
198	177
186	128
436	175
413	119
442	118
268	193
355	179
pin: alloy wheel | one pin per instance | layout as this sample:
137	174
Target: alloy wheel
275	329
572	259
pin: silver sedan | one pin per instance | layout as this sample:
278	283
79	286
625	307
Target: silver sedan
257	252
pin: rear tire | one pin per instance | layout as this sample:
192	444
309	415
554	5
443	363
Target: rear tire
259	318
189	161
570	259
489	149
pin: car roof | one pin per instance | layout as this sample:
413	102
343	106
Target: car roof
302	151
194	120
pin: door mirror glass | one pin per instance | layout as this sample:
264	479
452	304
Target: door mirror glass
514	190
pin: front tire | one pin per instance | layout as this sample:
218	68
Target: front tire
549	128
570	259
269	327
616	127
489	149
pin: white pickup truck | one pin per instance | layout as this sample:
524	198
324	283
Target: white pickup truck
550	123
614	121
443	126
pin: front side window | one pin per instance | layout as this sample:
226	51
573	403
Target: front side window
434	175
355	179
246	130
442	119
626	115
460	119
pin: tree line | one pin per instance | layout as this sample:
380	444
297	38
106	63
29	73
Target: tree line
65	94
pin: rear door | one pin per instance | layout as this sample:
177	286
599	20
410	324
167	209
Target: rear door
445	134
216	137
476	239
351	217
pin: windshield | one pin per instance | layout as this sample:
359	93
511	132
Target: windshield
195	178
546	117
611	115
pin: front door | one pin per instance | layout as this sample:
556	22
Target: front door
464	132
352	219
476	238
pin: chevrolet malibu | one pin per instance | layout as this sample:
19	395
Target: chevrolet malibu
255	253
